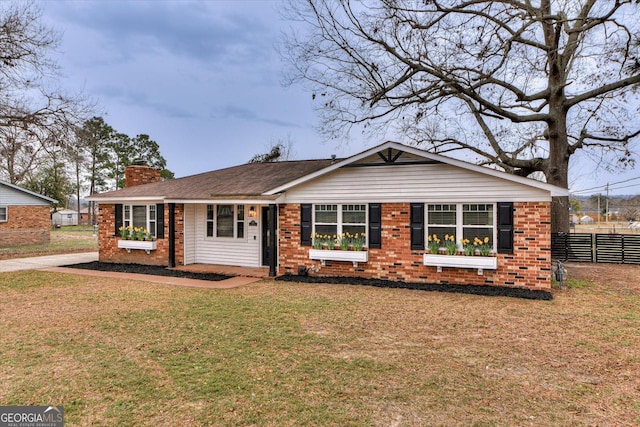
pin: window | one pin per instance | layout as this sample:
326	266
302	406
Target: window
240	221
354	219
441	221
225	221
462	220
333	220
326	220
140	216
3	214
477	221
209	220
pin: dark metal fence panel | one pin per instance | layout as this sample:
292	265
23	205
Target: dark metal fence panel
609	248
603	248
631	249
576	247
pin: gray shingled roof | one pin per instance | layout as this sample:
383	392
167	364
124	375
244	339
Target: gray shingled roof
250	180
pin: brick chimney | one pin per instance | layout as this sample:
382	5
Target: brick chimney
140	174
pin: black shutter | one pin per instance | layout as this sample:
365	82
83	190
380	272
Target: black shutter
417	226
375	225
305	224
118	219
505	227
160	221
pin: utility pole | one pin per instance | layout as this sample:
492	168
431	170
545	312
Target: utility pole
606	218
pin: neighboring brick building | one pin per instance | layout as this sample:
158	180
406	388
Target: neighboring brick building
25	216
394	198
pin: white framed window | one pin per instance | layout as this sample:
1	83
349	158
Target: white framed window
442	220
210	217
225	221
140	216
478	221
462	220
4	213
334	219
354	219
325	220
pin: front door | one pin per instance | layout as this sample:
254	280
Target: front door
266	249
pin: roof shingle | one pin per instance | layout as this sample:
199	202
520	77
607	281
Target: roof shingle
249	180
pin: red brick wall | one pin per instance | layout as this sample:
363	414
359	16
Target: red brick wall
140	174
26	225
108	241
529	266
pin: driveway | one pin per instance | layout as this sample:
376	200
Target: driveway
38	262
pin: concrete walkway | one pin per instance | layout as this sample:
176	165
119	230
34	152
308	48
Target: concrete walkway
53	263
38	262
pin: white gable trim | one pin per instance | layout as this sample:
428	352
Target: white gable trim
552	189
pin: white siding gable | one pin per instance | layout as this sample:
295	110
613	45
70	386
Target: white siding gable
13	197
411	183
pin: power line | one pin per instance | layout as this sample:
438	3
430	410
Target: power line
602	187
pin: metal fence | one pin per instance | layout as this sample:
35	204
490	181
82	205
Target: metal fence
20	238
602	248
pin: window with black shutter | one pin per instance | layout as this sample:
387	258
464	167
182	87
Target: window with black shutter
375	225
160	221
505	227
417	226
305	224
118	219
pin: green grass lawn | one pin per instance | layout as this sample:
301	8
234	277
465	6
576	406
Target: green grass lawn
114	352
63	240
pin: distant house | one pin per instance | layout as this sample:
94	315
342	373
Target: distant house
64	217
402	203
83	216
586	219
24	216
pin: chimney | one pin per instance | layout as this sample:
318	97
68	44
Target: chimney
139	174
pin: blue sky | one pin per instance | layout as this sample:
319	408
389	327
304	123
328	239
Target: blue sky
203	79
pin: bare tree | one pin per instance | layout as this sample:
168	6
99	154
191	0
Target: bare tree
516	84
30	112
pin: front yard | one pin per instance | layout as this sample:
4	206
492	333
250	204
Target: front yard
66	239
124	353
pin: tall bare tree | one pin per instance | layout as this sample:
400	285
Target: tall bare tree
522	85
30	112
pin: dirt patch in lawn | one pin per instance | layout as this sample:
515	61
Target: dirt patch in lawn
619	278
155	270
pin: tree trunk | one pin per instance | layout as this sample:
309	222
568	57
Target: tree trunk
558	168
557	172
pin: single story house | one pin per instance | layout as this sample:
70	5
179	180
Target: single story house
64	217
398	206
25	216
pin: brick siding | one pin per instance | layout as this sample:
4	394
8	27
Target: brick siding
26	225
529	266
108	241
